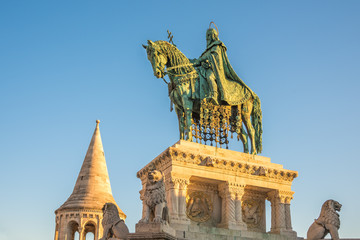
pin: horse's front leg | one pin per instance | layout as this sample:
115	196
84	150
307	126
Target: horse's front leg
188	116
188	107
180	115
177	100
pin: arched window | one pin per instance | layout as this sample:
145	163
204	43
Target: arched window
73	227
89	231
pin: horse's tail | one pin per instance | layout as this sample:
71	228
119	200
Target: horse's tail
256	120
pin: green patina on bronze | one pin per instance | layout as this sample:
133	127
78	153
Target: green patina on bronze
209	98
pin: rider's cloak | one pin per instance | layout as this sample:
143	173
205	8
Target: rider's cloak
232	89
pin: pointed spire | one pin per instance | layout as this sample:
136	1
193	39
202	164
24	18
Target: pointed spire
92	189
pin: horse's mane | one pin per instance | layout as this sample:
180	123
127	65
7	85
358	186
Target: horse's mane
176	57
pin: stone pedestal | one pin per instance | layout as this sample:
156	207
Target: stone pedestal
151	236
154	228
158	231
217	193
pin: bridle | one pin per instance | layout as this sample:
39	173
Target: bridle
168	69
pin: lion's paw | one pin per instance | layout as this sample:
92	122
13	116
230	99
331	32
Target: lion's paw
144	220
157	220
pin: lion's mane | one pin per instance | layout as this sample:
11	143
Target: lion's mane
328	214
111	215
155	191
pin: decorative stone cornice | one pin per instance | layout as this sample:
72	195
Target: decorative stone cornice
241	168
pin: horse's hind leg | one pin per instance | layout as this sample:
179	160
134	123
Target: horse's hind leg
244	138
246	114
241	134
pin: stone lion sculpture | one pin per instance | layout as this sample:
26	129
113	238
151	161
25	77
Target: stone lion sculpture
327	222
114	227
154	201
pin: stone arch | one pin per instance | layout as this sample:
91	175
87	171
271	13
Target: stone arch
89	227
72	228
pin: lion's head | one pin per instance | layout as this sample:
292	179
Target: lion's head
155	176
328	214
110	214
331	205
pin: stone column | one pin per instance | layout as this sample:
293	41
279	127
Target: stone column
172	189
280	212
280	215
183	183
58	227
81	233
98	228
231	214
238	207
238	211
65	233
96	232
56	234
62	230
277	212
288	216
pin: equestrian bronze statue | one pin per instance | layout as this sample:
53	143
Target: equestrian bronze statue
210	100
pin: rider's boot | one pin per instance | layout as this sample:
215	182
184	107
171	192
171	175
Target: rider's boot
214	98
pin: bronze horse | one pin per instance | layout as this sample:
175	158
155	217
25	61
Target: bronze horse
184	88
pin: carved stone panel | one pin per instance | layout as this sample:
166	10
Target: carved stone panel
252	213
253	210
199	206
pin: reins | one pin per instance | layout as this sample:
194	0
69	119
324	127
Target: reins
180	66
178	75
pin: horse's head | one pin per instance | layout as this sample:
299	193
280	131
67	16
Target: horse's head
157	58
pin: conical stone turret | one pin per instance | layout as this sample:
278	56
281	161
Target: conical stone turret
92	190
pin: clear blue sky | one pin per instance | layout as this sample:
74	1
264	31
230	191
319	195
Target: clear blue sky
64	64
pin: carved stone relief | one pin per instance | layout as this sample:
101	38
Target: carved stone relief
199	206
252	212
